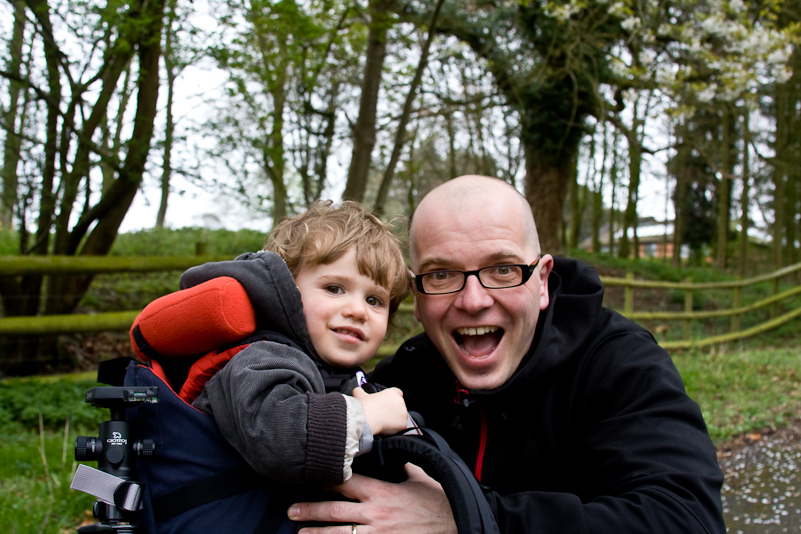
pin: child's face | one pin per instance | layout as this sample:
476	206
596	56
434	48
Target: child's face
346	312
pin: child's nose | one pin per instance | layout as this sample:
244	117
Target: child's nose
355	308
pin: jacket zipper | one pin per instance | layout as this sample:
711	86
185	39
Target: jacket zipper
482	445
461	398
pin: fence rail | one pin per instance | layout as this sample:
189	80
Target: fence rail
122	320
735	312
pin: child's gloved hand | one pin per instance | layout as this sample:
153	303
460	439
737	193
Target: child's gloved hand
385	410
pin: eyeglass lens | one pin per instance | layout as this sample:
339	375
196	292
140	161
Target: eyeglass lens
491	277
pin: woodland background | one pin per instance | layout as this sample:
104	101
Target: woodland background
577	103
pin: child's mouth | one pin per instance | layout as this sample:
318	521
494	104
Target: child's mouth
351	333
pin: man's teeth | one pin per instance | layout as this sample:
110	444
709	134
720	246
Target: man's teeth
477	331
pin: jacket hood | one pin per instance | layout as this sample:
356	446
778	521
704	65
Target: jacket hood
568	325
270	286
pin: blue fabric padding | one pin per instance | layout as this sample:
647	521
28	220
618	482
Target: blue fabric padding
189	449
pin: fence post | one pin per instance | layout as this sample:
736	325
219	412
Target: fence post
688	307
628	295
735	318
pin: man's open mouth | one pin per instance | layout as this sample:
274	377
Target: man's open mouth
478	341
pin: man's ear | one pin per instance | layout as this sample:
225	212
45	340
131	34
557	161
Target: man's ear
415	296
545	268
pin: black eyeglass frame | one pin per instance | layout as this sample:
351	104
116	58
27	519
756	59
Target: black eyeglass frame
527	270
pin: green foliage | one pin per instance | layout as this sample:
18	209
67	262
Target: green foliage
24	400
183	241
9	242
133	291
128	291
651	268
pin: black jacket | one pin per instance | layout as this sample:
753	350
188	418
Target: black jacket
594	433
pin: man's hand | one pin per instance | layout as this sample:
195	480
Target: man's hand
417	505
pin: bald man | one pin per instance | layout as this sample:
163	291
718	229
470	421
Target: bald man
570	415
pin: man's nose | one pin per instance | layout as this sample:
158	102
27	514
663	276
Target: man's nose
474	297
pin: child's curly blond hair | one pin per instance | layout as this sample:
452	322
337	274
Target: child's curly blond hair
326	231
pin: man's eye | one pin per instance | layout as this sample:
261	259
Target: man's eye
440	276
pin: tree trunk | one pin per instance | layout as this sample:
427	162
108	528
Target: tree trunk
635	168
791	209
169	126
780	173
142	32
110	167
11	147
724	188
274	157
598	197
613	178
321	166
578	203
546	190
110	211
745	200
364	133
630	215
680	172
400	134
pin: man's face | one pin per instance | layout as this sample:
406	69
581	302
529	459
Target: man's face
346	312
483	334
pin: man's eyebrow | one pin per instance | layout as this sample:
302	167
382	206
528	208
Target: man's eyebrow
427	265
495	257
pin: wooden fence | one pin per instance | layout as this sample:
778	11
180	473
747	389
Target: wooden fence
122	320
735	312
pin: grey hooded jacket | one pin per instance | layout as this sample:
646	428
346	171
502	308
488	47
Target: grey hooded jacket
270	401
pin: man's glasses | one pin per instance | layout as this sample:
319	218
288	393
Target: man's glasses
494	277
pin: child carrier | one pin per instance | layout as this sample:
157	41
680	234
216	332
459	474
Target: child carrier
164	467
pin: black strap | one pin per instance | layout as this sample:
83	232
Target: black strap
143	345
203	492
471	510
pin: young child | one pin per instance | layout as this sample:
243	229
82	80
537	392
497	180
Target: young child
323	291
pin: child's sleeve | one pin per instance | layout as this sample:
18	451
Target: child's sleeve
270	403
359	438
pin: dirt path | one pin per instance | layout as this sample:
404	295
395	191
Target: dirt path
762	487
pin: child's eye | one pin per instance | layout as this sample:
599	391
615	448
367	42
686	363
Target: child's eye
375	301
334	289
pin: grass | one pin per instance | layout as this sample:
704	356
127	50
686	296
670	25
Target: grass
743	391
40	419
36	470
